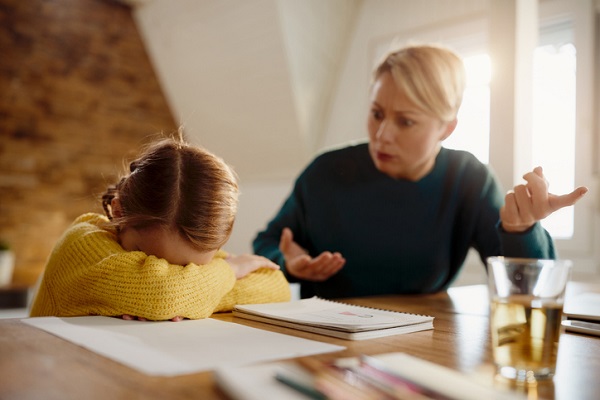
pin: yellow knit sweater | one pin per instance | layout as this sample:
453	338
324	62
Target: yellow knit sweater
89	273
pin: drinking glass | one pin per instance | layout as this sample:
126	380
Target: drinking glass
526	305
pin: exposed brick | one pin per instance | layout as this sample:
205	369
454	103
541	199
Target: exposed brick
77	95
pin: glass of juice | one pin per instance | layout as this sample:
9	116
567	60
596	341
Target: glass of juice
526	304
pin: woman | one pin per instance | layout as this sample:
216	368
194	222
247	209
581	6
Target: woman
399	214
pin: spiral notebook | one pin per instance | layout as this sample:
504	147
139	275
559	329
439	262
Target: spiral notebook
331	318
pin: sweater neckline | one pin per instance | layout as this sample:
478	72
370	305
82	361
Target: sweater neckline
437	170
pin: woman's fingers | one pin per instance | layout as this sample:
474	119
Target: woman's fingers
529	203
557	202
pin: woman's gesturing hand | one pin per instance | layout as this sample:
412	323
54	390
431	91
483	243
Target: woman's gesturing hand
531	202
301	265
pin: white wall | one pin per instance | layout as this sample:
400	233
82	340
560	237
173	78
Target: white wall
224	69
259	201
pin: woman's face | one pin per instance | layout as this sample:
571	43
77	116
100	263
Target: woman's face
403	140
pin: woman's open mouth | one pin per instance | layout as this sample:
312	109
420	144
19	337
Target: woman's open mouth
384	157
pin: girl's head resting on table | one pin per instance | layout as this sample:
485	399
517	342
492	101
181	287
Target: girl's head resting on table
175	201
415	97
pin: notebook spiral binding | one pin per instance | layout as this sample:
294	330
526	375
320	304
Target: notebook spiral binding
370	308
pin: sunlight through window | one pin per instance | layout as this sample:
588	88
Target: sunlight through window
553	121
554	126
473	130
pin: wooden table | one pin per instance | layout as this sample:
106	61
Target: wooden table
35	364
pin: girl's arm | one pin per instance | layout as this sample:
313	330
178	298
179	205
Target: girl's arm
261	286
88	273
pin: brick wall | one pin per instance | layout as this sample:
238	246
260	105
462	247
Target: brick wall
77	95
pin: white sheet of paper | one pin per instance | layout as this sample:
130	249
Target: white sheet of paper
177	348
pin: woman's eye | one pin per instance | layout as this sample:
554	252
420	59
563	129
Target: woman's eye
406	122
377	115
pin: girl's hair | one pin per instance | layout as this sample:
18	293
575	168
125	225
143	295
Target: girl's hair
432	77
178	187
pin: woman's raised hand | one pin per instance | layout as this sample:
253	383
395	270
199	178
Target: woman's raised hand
531	202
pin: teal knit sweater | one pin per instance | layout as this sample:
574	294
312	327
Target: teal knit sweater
398	237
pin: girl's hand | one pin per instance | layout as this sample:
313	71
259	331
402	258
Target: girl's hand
248	263
301	265
529	203
128	317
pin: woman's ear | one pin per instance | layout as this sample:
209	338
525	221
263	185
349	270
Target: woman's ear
115	206
450	126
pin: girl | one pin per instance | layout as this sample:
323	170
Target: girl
156	254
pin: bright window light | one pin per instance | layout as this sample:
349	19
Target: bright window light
554	126
553	121
473	130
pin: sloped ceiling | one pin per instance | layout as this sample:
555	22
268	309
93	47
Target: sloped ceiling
250	80
316	34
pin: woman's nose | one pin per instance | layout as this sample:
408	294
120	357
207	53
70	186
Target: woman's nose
384	132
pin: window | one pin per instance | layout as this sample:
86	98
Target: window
473	130
554	125
553	115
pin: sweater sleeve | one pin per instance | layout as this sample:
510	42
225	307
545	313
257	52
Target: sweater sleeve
535	242
261	286
89	273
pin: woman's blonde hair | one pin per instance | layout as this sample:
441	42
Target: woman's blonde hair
180	187
431	76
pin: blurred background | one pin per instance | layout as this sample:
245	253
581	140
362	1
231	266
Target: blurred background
267	85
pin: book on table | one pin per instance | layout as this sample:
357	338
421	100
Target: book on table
332	318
